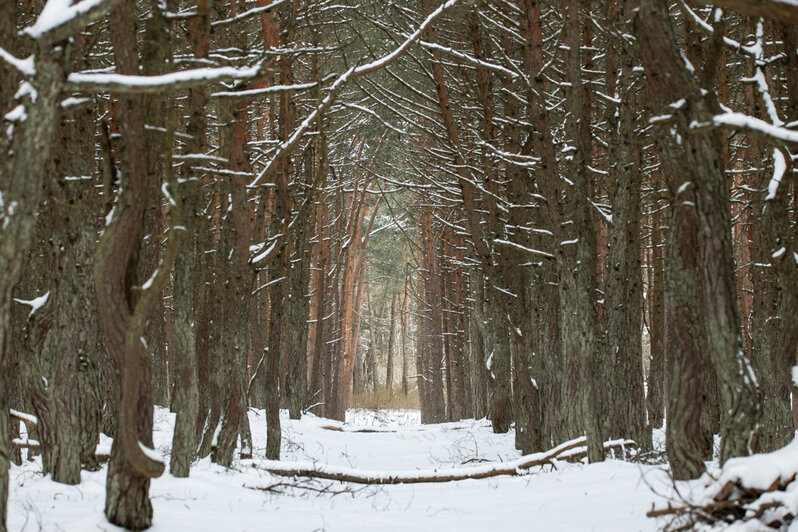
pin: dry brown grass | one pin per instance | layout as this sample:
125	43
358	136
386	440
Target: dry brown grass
382	401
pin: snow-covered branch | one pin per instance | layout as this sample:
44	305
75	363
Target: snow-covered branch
23	66
755	126
98	82
274	89
288	146
469	58
61	19
781	10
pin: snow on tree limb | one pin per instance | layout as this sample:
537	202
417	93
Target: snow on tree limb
288	146
23	66
61	19
274	89
99	82
780	10
752	125
469	58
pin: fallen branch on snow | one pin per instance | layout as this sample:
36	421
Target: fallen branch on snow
568	449
356	431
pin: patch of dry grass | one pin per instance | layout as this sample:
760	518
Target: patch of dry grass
382	400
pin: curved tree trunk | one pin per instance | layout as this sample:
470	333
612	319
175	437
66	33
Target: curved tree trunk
124	309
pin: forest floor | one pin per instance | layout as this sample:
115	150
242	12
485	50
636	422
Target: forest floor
610	496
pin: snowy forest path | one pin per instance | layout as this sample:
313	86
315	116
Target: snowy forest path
613	495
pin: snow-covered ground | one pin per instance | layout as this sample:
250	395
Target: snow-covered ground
612	496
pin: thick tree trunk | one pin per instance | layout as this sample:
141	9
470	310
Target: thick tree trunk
298	306
686	442
623	294
775	281
22	177
698	154
74	407
238	290
578	263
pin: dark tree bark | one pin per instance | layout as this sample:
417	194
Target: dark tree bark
623	294
298	302
434	324
698	156
299	267
186	274
405	340
73	413
156	52
391	346
775	278
124	306
237	233
497	364
22	176
655	397
686	442
578	275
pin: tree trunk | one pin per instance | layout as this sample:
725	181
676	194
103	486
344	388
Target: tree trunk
22	176
74	406
186	274
623	294
123	312
698	154
391	344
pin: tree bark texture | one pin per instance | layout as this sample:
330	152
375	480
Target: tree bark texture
698	156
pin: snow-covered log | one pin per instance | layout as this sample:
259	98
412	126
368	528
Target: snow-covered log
569	449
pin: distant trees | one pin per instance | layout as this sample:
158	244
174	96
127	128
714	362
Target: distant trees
596	213
570	217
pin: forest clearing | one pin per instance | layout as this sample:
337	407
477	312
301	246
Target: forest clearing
383	264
